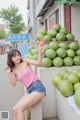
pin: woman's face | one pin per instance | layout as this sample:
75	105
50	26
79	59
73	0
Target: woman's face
16	58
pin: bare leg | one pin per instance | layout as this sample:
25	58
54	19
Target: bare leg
15	114
27	102
15	117
20	115
32	99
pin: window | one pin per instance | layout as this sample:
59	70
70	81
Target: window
46	24
53	19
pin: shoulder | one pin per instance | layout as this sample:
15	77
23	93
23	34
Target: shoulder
26	60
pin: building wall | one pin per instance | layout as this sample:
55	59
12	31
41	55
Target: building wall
34	20
39	25
31	12
49	12
32	23
75	21
75	18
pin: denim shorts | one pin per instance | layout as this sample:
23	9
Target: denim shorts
36	86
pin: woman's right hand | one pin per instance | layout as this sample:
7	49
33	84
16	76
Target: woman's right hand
7	69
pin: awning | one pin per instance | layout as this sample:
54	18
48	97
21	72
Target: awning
46	6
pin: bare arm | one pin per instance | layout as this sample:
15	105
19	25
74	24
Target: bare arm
12	79
11	76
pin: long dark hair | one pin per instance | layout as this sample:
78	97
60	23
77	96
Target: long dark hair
12	53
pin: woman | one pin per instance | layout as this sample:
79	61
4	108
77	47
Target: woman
19	69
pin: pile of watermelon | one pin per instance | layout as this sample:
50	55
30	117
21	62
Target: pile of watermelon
56	34
68	83
60	48
61	54
33	53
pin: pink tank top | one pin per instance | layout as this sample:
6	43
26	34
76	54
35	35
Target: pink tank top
27	76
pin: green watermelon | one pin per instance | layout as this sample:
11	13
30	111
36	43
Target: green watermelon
61	52
73	78
68	61
57	27
52	33
76	60
53	39
70	37
76	86
53	45
43	31
60	36
46	62
66	75
76	71
56	79
30	48
45	47
35	57
58	62
70	53
39	36
63	45
47	38
50	53
65	87
78	52
74	46
77	98
34	51
63	72
64	30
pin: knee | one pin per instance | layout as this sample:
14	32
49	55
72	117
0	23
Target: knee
17	110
